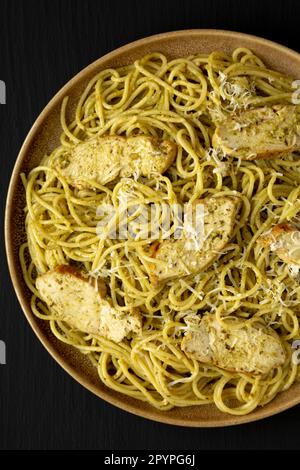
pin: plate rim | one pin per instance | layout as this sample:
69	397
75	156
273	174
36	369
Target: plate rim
105	395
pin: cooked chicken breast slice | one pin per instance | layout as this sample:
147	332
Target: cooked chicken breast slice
251	349
260	133
80	301
284	240
193	252
102	159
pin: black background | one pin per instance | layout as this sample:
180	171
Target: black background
42	45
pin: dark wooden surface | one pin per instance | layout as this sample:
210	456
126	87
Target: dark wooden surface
42	45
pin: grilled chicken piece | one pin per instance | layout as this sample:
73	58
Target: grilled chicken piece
260	133
284	240
102	159
193	252
251	349
80	301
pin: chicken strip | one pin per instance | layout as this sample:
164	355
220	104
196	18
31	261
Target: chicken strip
259	133
102	159
251	349
80	301
193	252
284	240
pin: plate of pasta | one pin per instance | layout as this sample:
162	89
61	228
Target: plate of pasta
153	228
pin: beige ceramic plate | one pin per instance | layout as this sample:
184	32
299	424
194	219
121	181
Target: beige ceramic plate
44	136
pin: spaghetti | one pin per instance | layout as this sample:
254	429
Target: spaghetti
181	100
